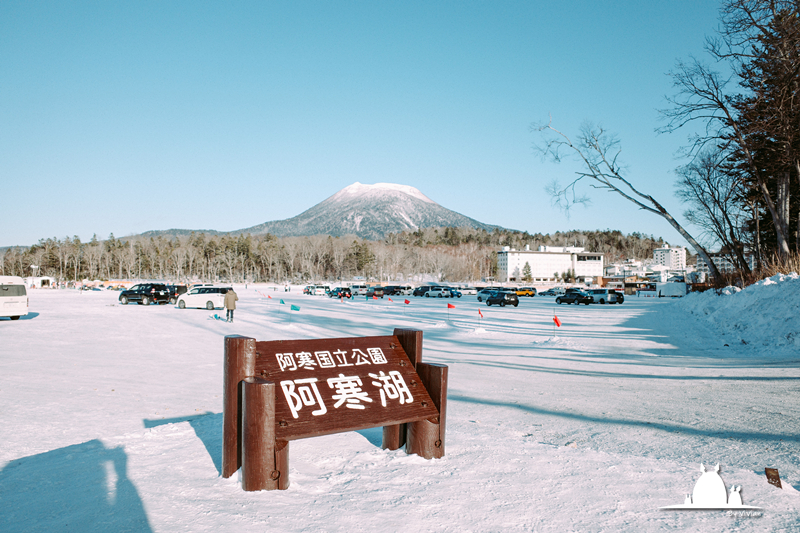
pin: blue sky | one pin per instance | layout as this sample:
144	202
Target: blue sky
129	116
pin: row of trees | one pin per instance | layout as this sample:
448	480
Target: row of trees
742	183
445	254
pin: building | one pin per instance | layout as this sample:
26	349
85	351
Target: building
724	263
548	263
672	258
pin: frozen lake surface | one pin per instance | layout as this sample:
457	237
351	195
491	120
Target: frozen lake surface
111	416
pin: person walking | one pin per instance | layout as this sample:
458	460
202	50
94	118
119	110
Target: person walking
230	304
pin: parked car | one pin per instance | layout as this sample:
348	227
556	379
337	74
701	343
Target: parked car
526	291
503	298
574	297
484	293
438	292
375	291
13	297
549	292
468	291
175	291
341	292
358	290
320	290
393	290
145	294
203	297
602	296
454	292
421	291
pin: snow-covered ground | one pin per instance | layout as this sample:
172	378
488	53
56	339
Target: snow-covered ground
111	416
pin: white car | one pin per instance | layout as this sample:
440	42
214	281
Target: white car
13	297
320	290
468	291
438	292
203	297
485	293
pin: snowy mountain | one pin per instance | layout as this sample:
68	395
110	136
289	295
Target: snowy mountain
370	212
367	211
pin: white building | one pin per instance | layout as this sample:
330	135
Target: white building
723	263
672	258
547	262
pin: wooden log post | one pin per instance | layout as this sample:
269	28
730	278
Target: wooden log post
265	462
394	437
426	437
239	363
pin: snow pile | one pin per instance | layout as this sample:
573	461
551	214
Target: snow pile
765	314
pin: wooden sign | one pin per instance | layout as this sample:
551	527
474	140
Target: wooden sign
772	477
278	391
336	385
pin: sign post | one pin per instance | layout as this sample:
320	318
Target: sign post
279	391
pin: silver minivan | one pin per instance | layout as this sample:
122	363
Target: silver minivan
603	296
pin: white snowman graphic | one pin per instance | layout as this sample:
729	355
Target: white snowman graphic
710	493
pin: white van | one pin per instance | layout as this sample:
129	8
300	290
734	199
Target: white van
13	297
360	290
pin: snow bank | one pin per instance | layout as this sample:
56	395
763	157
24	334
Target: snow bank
765	314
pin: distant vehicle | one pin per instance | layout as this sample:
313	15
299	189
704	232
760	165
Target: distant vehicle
603	296
468	291
320	290
438	292
13	297
359	290
203	297
503	299
375	291
484	293
145	294
421	291
308	289
549	292
175	291
526	291
393	290
574	297
341	292
454	292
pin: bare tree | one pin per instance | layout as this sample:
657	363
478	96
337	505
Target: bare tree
599	152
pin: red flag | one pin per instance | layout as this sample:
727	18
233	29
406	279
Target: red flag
451	306
479	312
391	300
268	296
407	302
557	321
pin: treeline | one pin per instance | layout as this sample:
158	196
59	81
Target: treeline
445	254
742	186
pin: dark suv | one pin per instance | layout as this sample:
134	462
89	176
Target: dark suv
503	299
145	294
576	297
175	291
420	291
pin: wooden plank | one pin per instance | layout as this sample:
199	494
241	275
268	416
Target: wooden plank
394	437
426	437
239	363
345	384
259	468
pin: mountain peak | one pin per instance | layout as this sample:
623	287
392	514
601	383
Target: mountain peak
379	189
